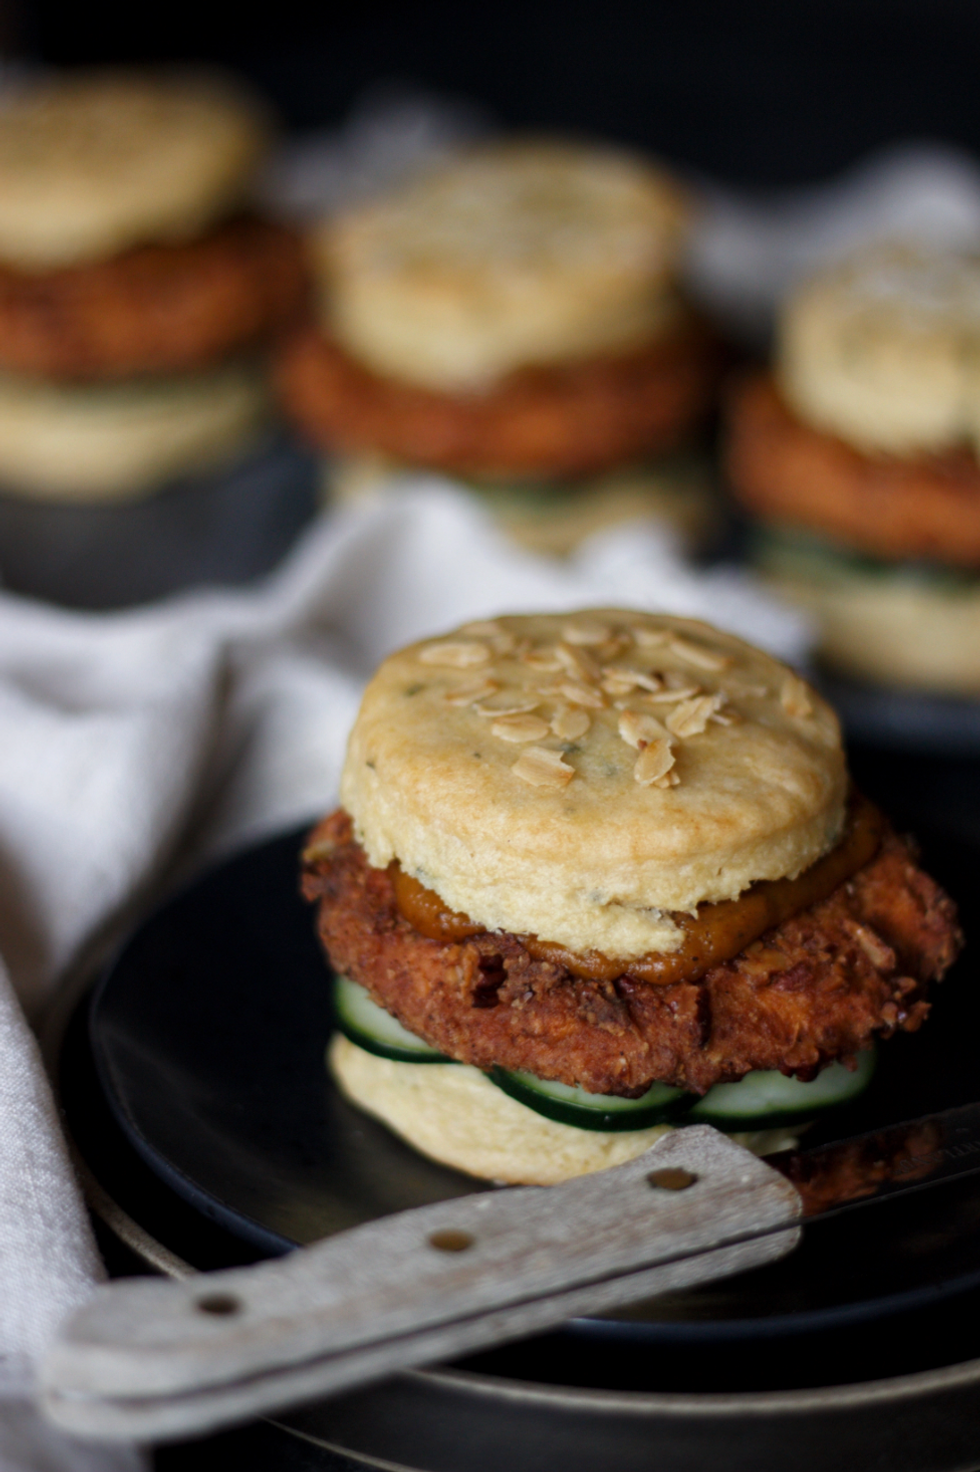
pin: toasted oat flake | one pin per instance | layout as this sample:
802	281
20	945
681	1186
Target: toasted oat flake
691	717
638	729
457	654
795	697
698	654
587	632
578	663
671	696
542	768
581	695
637	679
507	704
520	728
651	638
470	693
541	659
570	724
726	717
669	779
653	762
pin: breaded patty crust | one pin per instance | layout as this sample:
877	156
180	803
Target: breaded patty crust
920	506
817	987
155	308
556	420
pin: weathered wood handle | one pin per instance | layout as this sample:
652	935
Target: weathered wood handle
148	1358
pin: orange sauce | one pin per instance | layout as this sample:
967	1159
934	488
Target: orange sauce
713	935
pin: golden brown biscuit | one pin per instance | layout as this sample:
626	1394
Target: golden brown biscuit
538	422
883	351
578	778
92	163
926	506
155	308
524	252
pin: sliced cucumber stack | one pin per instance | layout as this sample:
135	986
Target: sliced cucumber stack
375	1030
569	1105
763	1101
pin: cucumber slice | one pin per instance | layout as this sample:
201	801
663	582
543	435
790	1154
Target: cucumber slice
763	1100
375	1030
569	1105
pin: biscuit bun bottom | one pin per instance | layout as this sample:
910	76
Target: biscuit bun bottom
453	1114
92	163
555	517
884	351
118	442
521	253
895	629
578	777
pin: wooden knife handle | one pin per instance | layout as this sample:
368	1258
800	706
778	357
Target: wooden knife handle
149	1357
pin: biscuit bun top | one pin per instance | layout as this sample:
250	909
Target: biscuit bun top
884	350
523	253
576	776
93	163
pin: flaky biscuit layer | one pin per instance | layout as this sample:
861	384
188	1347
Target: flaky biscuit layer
578	777
95	162
884	351
521	253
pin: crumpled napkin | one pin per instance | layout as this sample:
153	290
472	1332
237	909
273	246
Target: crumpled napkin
131	743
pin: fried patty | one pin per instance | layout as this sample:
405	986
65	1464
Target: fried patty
922	506
818	987
545	421
154	309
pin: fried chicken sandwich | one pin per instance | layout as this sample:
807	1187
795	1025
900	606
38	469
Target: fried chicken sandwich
600	873
512	318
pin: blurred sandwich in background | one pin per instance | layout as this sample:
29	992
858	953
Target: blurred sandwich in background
136	285
513	318
858	456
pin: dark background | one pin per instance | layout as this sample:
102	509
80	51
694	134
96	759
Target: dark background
764	92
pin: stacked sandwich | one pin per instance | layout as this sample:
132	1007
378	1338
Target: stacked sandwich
512	318
859	456
598	874
135	285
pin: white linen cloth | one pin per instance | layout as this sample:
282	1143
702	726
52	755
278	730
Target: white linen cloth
192	727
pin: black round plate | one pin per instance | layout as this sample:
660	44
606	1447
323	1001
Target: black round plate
208	1034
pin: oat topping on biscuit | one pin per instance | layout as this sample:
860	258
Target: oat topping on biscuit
457	654
581	695
691	717
588	632
638	729
654	763
542	768
578	663
470	693
507	705
794	697
697	654
570	723
520	728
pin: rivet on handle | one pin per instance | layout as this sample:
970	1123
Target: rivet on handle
451	1241
672	1178
219	1304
